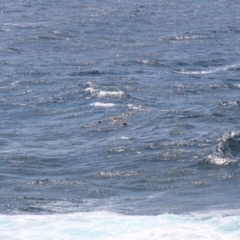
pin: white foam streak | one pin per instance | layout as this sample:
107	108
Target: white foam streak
103	105
100	93
106	226
125	138
211	70
110	94
188	37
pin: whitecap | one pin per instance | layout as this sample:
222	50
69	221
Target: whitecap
227	151
236	85
101	93
125	138
110	93
91	90
107	225
134	107
188	37
103	105
146	62
231	103
213	159
209	71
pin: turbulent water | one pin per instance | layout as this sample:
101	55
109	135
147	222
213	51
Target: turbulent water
118	108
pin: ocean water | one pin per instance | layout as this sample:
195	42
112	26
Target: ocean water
119	119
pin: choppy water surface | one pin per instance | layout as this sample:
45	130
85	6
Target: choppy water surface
123	106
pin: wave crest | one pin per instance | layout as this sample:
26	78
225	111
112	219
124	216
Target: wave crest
227	151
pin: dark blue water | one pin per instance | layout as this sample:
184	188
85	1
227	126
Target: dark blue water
123	106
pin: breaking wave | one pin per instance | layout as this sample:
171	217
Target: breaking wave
227	151
107	225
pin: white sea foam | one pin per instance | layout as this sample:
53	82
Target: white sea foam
106	226
210	70
233	103
135	107
103	105
146	62
110	94
213	159
101	93
186	37
125	138
91	90
236	85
